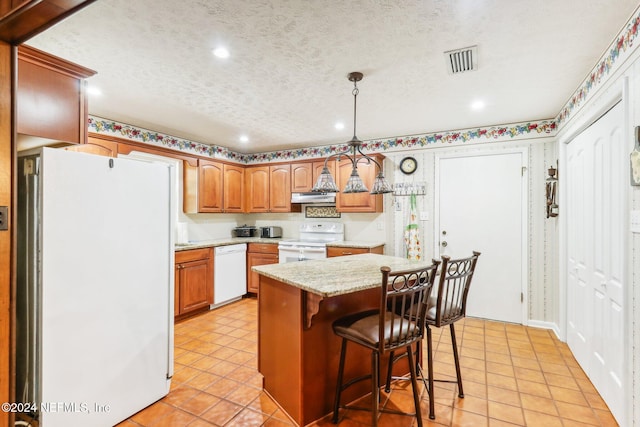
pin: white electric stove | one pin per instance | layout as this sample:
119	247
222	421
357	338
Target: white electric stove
312	241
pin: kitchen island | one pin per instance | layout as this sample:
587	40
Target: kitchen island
298	354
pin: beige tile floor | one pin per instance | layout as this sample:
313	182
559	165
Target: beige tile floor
512	376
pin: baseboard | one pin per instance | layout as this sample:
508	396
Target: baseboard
545	325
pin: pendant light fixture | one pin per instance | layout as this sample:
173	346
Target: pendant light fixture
353	152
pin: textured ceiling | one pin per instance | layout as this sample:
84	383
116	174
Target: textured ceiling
285	82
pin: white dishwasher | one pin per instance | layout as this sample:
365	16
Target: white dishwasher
229	273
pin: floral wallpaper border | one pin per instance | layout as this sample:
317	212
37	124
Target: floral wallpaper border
133	133
620	48
478	135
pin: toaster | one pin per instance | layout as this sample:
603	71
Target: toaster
271	231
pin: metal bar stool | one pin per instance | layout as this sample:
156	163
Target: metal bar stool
398	323
447	306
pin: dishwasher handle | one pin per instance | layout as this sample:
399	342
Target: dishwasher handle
230	249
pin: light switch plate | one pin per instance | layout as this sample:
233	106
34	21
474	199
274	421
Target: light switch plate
635	221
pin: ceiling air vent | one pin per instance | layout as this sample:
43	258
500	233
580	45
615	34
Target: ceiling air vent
462	60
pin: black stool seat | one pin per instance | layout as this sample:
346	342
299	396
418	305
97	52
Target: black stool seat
398	323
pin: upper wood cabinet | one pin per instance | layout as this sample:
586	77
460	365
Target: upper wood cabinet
213	187
210	186
358	202
280	188
304	175
52	99
257	188
268	189
98	146
301	177
233	194
23	19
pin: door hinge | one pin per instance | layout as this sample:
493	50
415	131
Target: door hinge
523	169
521	297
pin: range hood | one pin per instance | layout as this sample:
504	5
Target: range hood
313	197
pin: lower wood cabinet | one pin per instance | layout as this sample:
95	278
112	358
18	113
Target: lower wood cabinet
193	280
343	251
259	254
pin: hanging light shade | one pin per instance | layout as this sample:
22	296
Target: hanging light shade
353	152
326	183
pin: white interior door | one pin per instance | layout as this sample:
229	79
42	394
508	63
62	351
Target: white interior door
596	179
481	205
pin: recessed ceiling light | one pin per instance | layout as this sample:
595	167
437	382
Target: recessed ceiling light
339	125
93	90
244	138
221	52
477	105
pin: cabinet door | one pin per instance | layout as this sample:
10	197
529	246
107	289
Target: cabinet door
233	188
280	188
195	285
97	146
253	278
357	202
301	177
257	188
210	178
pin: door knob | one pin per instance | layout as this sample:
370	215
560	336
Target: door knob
444	243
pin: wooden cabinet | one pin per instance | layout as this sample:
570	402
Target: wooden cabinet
358	202
301	177
257	188
213	187
268	189
210	178
23	19
233	194
304	175
98	146
333	251
193	281
52	98
259	254
280	188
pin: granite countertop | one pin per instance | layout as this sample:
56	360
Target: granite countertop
354	244
336	276
235	240
224	242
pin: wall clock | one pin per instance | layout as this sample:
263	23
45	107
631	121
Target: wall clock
408	165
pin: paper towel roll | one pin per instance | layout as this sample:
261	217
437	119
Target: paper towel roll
182	232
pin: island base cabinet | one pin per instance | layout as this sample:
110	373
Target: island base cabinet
300	363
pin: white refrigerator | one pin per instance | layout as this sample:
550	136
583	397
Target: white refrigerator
94	298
